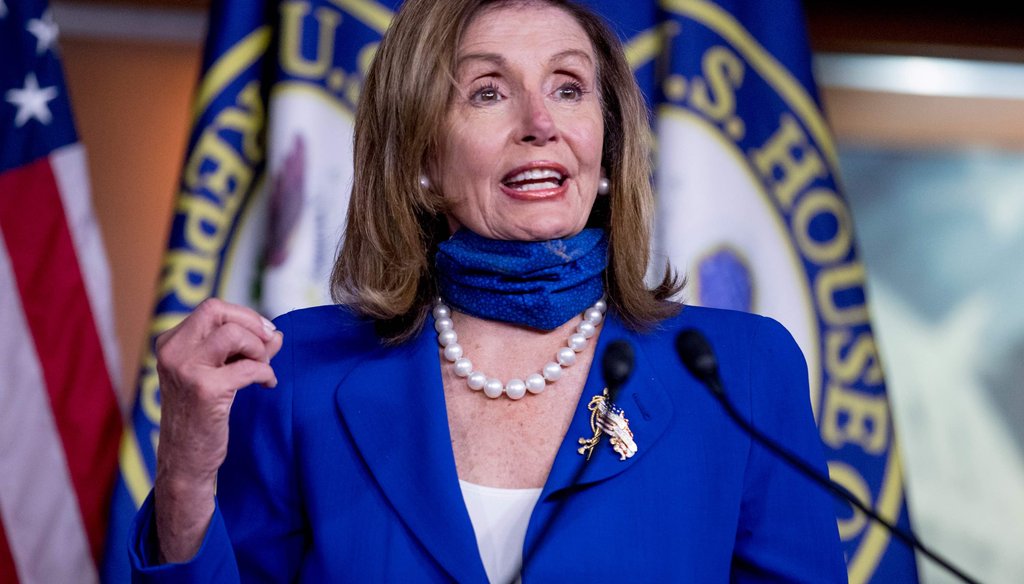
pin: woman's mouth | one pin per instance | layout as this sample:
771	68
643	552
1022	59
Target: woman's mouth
535	183
535	180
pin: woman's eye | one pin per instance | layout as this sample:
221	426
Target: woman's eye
570	91
486	95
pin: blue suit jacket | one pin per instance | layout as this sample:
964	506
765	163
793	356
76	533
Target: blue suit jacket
345	472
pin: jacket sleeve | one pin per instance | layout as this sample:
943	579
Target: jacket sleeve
257	531
214	562
787	529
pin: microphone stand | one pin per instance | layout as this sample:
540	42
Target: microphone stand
616	365
700	361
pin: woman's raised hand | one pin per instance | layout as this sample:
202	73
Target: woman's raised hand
217	350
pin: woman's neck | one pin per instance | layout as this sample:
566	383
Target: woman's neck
502	442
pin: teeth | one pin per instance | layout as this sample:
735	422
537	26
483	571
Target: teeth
535	174
536	186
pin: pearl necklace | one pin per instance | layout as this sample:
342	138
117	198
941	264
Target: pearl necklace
515	388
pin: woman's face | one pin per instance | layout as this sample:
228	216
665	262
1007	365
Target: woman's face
521	158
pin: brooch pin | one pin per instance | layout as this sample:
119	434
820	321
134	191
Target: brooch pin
608	418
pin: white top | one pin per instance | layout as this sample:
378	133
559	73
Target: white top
500	518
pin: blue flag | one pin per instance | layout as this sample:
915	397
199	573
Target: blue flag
749	205
263	189
760	225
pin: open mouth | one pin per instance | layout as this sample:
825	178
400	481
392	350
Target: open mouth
534	179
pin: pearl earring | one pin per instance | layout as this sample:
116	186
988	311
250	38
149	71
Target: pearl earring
603	186
424	181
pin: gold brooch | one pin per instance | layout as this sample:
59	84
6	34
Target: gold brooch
607	418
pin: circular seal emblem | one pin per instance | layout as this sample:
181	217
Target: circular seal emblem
748	206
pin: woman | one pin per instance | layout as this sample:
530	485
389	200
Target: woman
501	165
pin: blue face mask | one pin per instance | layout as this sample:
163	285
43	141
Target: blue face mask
538	284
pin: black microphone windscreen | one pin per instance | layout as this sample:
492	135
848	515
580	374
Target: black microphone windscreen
617	364
696	354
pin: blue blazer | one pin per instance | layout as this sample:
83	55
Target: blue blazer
345	472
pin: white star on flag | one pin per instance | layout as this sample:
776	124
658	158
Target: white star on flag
45	30
32	101
3	9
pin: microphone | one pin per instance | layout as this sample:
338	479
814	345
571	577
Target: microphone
616	367
700	360
696	354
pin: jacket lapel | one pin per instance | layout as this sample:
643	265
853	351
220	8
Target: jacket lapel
645	403
393	404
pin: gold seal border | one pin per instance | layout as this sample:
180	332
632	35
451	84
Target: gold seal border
788	88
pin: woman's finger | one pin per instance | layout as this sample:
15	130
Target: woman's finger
231	342
248	372
212	314
215	312
274	345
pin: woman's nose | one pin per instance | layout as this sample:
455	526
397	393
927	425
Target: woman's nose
538	125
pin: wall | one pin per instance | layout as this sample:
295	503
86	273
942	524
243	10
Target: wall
131	104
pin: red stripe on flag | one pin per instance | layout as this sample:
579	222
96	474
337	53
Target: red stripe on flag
7	571
58	313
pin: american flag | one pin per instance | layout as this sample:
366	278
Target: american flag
60	421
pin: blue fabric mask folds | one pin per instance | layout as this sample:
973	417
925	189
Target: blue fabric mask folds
540	284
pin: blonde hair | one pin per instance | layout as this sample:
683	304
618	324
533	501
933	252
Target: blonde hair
384	269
